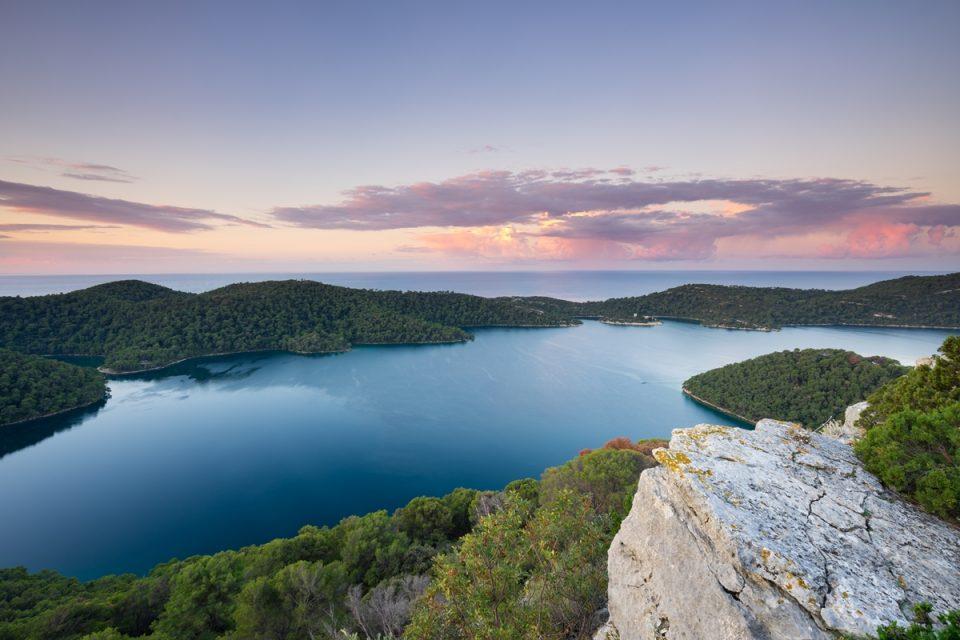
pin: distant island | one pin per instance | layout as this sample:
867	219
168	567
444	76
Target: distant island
807	386
32	387
908	302
137	326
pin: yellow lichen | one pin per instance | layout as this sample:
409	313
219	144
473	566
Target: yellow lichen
700	434
673	460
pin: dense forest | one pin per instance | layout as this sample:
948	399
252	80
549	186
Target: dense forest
808	386
525	562
135	325
32	387
908	301
912	439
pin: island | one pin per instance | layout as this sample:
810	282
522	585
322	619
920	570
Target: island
911	302
137	326
806	386
32	387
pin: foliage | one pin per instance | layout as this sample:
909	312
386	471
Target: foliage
31	387
136	325
608	477
922	627
535	566
918	454
912	439
908	301
924	388
807	386
537	558
520	574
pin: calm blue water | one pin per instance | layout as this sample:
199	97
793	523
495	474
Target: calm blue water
570	285
231	451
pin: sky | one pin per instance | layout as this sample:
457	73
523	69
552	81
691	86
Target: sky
364	136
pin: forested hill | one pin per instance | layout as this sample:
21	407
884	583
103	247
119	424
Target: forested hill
135	325
33	387
808	386
912	301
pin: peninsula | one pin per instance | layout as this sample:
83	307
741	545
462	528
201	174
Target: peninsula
137	326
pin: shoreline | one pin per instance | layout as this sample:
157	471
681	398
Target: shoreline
726	412
658	321
703	323
625	323
104	398
120	374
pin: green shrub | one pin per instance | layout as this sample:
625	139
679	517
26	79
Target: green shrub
912	441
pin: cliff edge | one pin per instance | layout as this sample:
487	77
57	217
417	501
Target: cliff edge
776	533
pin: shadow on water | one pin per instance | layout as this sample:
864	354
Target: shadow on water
19	436
234	366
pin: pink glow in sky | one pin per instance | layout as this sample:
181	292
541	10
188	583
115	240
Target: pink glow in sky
153	137
534	217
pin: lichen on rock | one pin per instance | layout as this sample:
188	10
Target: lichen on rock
772	533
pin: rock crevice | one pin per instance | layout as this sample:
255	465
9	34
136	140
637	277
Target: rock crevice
772	533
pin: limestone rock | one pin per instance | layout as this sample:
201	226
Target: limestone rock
846	431
773	533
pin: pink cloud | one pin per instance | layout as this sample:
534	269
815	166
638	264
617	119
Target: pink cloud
681	219
884	240
28	198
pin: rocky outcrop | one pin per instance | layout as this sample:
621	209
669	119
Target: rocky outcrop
776	533
846	430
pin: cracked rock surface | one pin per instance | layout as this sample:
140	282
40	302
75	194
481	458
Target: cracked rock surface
772	533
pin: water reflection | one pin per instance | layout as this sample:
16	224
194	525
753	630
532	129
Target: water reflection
15	437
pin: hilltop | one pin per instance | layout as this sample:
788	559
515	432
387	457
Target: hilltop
136	325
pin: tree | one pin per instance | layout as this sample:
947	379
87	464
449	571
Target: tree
918	454
425	520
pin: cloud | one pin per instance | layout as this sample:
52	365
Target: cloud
665	220
487	148
79	170
26	198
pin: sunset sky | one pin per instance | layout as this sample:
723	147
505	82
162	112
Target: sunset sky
218	137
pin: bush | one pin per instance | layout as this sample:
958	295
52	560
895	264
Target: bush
917	454
912	439
521	574
607	476
924	388
922	627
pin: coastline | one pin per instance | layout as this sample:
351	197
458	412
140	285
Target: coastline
658	321
53	414
876	325
120	374
726	412
625	323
